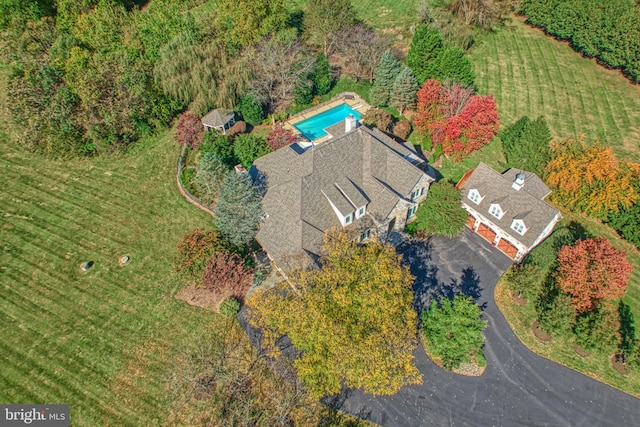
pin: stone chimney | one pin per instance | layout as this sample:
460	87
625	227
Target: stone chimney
518	183
350	123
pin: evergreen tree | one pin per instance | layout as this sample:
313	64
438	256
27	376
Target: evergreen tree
322	76
238	209
451	64
526	144
425	46
385	75
403	92
209	175
453	331
442	213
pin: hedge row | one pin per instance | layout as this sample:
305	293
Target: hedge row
607	30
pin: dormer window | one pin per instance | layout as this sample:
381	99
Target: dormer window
496	210
474	196
360	212
347	219
518	226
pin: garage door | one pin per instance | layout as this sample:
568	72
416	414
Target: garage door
471	221
506	247
486	232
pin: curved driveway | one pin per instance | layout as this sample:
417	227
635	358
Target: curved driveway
518	387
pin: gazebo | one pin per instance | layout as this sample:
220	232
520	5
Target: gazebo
219	119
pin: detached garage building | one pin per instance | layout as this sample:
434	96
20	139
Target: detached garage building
508	210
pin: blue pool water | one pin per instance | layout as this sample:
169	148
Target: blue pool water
313	127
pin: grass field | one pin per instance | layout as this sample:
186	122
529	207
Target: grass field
100	341
532	74
382	14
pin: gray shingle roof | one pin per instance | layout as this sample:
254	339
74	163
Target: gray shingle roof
361	167
525	204
217	117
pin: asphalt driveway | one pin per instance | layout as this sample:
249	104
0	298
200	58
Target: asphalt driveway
518	387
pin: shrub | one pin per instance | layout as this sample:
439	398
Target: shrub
248	147
221	146
194	249
226	272
280	137
402	129
229	307
453	331
376	117
251	110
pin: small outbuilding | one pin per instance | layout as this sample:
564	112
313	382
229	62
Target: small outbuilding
219	119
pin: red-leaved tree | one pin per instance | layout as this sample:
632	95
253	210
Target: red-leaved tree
592	271
226	273
189	130
455	118
280	137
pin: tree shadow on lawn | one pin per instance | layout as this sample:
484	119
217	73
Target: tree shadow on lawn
417	255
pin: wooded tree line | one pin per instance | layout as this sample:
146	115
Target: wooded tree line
92	76
606	30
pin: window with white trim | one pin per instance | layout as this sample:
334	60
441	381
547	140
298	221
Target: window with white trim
518	226
361	211
347	219
474	196
496	210
412	211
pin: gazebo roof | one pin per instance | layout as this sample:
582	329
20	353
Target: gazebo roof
217	118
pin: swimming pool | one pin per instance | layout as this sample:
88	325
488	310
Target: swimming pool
313	127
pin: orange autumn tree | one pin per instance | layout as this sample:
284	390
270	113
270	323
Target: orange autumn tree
591	179
592	271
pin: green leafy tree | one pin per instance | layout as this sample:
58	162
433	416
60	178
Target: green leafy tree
403	92
442	213
251	109
209	175
352	319
323	19
451	64
452	331
229	307
322	77
425	47
245	22
526	144
219	145
238	210
384	77
247	148
627	223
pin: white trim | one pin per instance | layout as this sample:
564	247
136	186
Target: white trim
474	196
496	210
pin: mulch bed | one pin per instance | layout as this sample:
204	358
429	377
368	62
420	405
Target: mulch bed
515	296
581	351
201	297
539	333
618	364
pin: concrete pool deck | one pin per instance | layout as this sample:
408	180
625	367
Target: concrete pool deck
353	100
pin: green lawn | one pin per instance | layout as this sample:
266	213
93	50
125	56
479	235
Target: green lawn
100	341
392	16
532	74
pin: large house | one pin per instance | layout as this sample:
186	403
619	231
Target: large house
360	180
508	209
